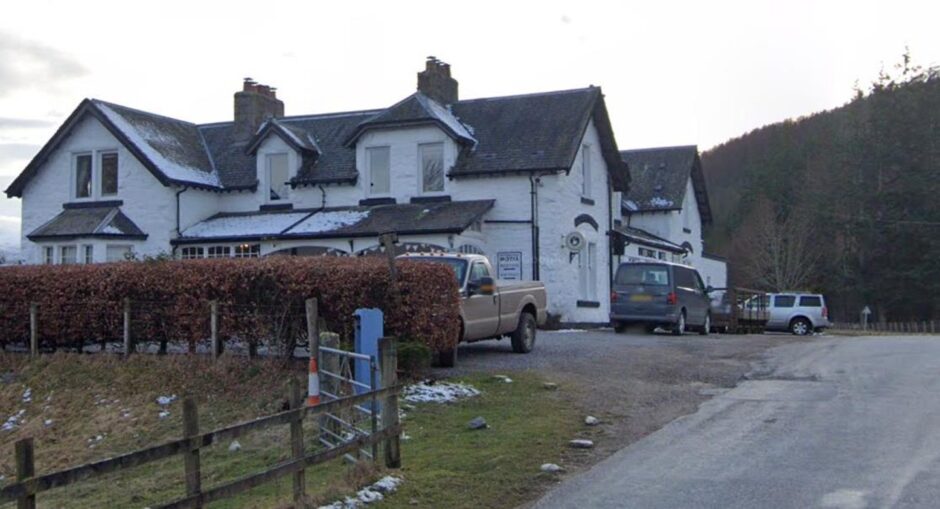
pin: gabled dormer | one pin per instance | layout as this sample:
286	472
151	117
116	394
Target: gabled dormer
280	151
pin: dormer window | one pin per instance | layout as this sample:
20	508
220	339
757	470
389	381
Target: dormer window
378	160
431	159
277	177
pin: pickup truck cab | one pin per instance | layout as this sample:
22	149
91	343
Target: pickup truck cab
490	309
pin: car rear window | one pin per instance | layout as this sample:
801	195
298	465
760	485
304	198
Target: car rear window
811	302
647	275
784	301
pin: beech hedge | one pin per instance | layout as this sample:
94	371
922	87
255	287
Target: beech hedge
260	300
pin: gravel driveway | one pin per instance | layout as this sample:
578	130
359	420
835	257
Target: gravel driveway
634	383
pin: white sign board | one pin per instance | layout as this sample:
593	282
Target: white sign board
509	265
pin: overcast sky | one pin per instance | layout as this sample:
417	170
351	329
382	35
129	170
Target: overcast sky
687	72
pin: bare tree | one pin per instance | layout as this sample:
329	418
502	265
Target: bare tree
778	252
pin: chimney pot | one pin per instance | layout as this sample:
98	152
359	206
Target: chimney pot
436	82
255	104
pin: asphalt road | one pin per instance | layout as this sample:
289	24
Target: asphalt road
832	423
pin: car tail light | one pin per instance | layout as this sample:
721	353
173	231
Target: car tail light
672	298
614	297
825	312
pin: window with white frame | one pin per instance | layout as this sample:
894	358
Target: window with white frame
431	159
247	250
218	252
108	163
88	253
277	177
83	176
587	272
192	252
48	255
118	253
586	171
377	159
68	255
646	252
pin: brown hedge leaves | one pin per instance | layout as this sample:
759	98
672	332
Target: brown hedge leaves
260	300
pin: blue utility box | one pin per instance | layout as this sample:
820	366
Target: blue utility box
369	328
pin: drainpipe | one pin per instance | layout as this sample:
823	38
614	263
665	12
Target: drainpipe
178	193
323	200
610	233
534	194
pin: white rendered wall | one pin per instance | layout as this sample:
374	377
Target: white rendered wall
147	202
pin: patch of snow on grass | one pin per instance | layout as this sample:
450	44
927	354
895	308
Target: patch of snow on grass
369	494
438	392
330	220
27	395
13	421
163	414
565	331
166	400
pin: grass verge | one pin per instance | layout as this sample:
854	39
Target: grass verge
86	408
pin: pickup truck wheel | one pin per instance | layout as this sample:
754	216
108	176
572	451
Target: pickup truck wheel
447	358
620	326
523	338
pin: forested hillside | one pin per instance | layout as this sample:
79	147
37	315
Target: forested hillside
846	201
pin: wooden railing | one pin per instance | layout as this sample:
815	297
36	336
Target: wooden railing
28	485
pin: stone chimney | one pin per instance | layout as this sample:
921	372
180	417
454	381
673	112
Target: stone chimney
435	82
253	105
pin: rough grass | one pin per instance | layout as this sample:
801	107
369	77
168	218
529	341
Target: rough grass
444	463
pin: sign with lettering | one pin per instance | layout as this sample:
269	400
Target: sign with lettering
509	265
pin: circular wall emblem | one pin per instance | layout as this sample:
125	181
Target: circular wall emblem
574	241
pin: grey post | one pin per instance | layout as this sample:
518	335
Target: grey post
214	328
34	329
24	470
191	457
297	442
388	355
313	328
127	328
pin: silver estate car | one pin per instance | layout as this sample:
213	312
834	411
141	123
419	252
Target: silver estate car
796	312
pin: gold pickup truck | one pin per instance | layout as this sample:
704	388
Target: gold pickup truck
490	309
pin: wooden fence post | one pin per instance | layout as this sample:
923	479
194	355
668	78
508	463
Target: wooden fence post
214	328
388	356
313	327
34	329
24	470
297	442
127	328
191	457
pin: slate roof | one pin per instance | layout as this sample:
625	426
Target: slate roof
416	109
338	222
645	238
501	135
94	222
659	177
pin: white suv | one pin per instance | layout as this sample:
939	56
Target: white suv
799	313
